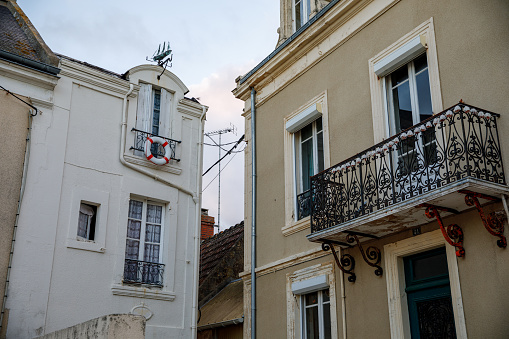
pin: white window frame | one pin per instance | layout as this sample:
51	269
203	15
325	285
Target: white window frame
395	277
320	314
310	279
141	248
293	122
399	53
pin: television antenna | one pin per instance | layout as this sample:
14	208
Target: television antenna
230	129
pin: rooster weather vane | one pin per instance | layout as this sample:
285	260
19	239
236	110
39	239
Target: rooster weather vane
162	56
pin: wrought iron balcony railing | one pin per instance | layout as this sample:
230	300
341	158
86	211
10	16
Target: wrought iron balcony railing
304	204
458	143
143	272
140	139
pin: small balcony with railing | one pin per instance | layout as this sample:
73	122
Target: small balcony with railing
143	272
442	166
157	150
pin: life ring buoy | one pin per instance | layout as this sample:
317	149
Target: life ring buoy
148	145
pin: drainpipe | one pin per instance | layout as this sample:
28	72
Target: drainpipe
343	299
253	215
139	169
196	268
15	228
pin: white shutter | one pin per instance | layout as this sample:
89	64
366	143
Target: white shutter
165	116
144	111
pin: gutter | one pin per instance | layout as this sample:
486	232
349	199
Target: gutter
288	41
222	324
36	65
253	214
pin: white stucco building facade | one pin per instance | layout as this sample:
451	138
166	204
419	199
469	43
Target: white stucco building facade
89	196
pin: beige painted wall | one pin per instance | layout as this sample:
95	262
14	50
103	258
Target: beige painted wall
13	132
473	57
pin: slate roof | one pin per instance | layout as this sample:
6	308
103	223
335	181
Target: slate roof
12	37
214	249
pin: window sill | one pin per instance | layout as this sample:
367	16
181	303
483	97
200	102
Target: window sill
142	292
87	245
297	226
143	162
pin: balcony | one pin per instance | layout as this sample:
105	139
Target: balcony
140	138
389	187
143	272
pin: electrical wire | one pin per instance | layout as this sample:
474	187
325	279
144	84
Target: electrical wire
211	181
227	153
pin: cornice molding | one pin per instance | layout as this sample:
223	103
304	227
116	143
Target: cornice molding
28	75
311	46
188	107
157	69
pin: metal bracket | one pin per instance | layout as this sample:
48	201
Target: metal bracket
492	223
347	262
372	256
453	234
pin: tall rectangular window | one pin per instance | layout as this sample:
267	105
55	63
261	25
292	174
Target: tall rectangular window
86	221
301	12
315	314
144	243
309	161
409	101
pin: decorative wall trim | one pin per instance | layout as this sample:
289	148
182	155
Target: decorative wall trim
142	292
28	75
394	274
143	162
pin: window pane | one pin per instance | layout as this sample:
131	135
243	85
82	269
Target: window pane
306	132
133	229
155	115
298	20
151	253
312	325
420	63
307	163
135	209
423	94
402	107
326	321
82	225
311	298
319	141
153	233
325	295
431	266
319	125
132	249
399	76
154	213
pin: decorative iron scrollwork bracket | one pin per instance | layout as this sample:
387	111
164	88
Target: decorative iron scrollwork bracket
493	224
347	262
372	256
453	234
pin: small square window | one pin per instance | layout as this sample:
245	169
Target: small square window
87	221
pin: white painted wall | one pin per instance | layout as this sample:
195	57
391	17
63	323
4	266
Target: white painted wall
75	156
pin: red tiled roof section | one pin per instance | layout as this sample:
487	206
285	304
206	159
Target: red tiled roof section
214	249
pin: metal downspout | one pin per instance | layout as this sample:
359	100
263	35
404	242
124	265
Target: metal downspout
15	228
197	236
253	215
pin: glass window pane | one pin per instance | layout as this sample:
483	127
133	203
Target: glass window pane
420	63
319	125
428	267
306	132
153	233
307	163
82	225
312	325
135	209
325	295
326	321
151	253
402	107
298	17
319	142
311	298
399	76
423	94
132	249
133	229
154	213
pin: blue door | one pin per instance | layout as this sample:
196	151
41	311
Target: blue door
429	295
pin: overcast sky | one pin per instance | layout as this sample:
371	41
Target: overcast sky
212	41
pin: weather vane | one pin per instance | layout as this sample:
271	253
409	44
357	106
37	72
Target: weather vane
162	56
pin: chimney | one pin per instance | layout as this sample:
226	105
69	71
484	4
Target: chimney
207	224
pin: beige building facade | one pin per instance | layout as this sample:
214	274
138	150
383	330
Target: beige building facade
397	109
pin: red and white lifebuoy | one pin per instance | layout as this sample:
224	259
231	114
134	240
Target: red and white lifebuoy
148	145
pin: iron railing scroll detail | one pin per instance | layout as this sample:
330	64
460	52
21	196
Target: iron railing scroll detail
143	272
140	138
459	142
